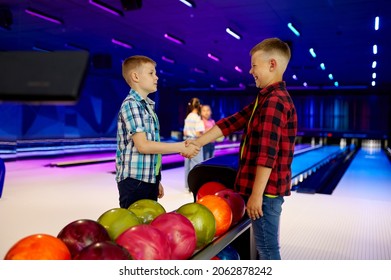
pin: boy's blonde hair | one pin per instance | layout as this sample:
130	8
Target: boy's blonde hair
134	62
274	46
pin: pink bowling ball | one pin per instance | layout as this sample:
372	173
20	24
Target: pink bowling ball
180	233
145	242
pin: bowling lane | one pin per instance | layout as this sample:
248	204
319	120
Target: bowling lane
353	223
109	155
305	160
368	176
168	161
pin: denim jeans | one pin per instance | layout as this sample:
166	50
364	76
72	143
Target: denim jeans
190	163
267	228
131	190
209	150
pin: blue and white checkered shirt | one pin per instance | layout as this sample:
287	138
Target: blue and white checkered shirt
136	115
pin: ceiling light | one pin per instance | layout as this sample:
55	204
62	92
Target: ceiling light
121	43
305	84
174	39
169	60
312	52
198	70
377	22
188	3
105	7
237	68
223	79
233	34
374	64
41	15
294	77
293	29
211	56
374	49
373	83
322	66
336	84
373	75
331	76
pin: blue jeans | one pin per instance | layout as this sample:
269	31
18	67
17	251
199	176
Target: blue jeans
132	190
209	150
190	163
267	228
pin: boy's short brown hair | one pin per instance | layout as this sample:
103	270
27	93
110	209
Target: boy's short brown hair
133	62
273	44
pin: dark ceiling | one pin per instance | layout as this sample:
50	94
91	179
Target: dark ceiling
341	32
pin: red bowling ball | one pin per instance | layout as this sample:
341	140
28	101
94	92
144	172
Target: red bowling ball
180	233
105	250
236	202
81	233
145	242
209	188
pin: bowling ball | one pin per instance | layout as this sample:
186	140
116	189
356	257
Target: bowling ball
180	233
203	221
236	202
146	210
228	253
117	220
105	250
209	188
39	247
80	233
220	210
145	242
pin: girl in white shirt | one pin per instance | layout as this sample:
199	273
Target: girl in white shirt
194	127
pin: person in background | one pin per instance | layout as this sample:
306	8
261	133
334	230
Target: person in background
139	150
193	128
269	125
206	115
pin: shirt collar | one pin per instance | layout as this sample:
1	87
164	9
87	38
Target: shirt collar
279	85
138	97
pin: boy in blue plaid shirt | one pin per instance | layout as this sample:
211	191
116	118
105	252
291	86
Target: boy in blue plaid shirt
139	150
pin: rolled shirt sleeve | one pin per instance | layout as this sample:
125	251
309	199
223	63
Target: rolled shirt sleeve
135	123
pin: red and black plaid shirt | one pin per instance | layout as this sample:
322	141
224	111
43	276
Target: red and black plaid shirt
270	139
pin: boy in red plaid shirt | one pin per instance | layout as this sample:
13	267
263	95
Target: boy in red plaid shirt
269	127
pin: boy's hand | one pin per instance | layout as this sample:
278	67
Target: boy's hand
254	207
190	141
190	150
161	191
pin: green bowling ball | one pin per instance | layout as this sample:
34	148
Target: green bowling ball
203	221
117	220
146	210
